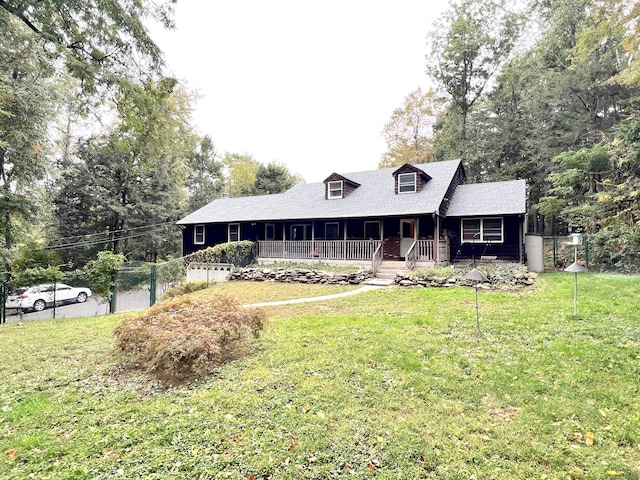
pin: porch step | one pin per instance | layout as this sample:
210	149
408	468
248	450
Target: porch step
388	269
379	282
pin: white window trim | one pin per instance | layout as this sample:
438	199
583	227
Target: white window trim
481	238
415	182
195	234
229	232
331	191
266	231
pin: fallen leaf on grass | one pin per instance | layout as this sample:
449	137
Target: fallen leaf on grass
590	439
613	473
11	453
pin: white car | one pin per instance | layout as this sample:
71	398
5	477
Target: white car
13	299
42	296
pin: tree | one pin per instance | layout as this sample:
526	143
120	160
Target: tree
409	132
468	45
26	98
241	173
273	178
205	180
100	41
130	185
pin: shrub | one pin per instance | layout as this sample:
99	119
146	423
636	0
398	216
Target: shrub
180	339
183	289
239	254
615	248
498	274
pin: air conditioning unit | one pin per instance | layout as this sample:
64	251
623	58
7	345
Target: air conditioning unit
575	239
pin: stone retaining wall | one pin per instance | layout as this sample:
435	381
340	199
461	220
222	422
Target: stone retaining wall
524	279
299	275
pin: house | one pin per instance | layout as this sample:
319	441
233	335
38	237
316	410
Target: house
420	214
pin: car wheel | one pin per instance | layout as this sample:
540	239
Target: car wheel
82	297
39	305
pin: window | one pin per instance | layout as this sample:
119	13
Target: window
300	232
234	232
407	182
483	230
372	230
198	234
269	231
332	231
335	189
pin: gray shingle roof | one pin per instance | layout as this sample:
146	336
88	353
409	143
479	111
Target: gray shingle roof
495	198
375	197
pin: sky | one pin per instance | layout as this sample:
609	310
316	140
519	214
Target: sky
308	84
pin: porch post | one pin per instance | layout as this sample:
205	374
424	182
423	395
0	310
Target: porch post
313	238
437	237
344	241
284	238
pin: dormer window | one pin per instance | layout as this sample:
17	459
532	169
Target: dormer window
407	182
335	189
336	186
410	179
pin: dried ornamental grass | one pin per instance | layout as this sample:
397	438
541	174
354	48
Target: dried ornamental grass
180	338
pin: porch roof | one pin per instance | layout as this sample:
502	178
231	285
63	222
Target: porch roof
375	197
495	198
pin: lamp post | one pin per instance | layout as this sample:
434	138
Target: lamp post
476	276
576	268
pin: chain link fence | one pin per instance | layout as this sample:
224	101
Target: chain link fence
136	286
559	252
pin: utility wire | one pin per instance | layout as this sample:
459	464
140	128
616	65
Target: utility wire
87	243
112	232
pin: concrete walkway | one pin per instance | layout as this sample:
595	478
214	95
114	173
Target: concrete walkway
365	288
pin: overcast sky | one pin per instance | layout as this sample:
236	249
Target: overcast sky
309	84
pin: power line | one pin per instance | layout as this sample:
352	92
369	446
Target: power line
88	243
111	232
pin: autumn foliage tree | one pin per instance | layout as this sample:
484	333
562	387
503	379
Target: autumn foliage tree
409	132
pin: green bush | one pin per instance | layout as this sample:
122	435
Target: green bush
179	339
183	289
239	254
615	248
498	274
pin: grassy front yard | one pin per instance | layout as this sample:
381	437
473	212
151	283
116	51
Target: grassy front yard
387	384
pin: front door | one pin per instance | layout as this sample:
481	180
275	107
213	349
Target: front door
408	233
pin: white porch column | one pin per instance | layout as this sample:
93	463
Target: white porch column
437	237
344	241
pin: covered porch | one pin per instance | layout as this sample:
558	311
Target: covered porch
364	241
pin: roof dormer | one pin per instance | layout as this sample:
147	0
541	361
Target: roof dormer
336	186
409	179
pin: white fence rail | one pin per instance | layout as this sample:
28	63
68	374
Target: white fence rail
318	249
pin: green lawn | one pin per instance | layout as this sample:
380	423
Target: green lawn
386	384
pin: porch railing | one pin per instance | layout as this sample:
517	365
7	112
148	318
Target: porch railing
319	249
420	251
377	259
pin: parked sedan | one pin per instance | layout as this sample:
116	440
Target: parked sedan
42	296
13	299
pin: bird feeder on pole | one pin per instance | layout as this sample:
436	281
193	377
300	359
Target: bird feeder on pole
476	276
575	239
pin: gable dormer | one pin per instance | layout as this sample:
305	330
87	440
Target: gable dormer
336	186
409	179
